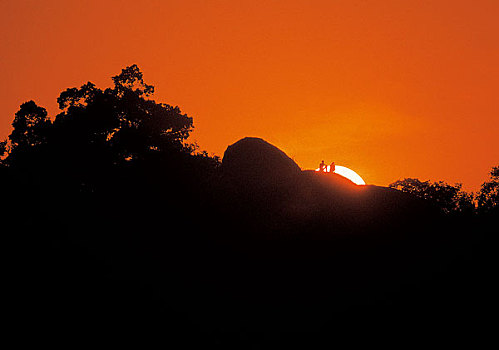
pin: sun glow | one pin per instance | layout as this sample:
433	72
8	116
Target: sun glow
346	172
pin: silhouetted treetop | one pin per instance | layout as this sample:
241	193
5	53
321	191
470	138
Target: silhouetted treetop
74	97
488	196
30	126
450	198
130	80
116	125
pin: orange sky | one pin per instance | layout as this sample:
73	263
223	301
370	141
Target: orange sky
391	89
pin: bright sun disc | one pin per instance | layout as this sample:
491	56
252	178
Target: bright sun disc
348	173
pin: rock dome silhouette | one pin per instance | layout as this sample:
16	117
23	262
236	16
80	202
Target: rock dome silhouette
257	162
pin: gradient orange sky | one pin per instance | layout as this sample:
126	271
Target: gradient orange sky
391	89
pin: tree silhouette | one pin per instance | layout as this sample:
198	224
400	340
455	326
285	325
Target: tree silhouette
122	120
30	126
449	198
488	196
131	80
115	144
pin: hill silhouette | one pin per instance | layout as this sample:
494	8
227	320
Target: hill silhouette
304	240
112	219
265	248
277	188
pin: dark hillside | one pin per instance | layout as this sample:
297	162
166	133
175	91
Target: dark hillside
312	241
256	245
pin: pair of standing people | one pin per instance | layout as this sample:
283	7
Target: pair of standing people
323	167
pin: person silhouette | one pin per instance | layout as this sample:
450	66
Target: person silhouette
332	167
322	167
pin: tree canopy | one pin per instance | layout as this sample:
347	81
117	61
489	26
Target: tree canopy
488	196
122	123
30	126
124	119
450	198
115	143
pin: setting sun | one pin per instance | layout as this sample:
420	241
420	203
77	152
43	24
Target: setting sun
345	172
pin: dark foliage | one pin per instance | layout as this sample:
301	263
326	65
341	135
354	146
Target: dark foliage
3	149
449	198
30	127
488	196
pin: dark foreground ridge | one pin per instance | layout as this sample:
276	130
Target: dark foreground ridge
254	253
